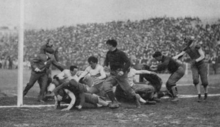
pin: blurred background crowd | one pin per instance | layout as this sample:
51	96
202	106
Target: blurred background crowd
138	39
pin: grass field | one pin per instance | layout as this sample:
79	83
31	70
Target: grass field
186	113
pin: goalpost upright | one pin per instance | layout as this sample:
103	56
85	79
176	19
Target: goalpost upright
20	56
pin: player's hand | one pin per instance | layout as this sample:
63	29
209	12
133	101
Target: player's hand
175	57
107	69
37	69
79	107
59	98
120	73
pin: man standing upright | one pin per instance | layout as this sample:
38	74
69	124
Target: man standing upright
40	65
198	65
115	58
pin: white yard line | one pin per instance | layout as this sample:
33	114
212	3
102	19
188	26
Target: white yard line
192	96
29	106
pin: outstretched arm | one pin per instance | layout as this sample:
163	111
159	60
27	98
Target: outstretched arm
84	73
73	100
144	72
179	55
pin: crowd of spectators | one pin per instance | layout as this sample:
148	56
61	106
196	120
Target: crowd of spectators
137	38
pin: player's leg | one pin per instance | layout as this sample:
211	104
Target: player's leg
49	82
123	82
120	94
33	78
57	99
96	89
81	100
72	98
103	102
108	91
44	79
39	81
173	79
195	76
95	100
204	78
146	92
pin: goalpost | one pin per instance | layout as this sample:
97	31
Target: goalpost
20	56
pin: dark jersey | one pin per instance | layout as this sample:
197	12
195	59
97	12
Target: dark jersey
193	51
168	63
119	58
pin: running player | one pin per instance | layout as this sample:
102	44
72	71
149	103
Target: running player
118	76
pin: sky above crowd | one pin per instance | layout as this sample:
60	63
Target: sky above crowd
55	13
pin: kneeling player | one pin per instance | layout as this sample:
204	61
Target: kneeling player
146	91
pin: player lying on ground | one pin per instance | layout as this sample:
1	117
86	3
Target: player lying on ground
72	73
67	95
71	92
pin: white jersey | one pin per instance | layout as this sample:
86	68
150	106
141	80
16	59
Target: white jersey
66	75
131	76
97	72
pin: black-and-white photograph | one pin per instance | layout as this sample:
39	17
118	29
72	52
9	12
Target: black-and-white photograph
109	63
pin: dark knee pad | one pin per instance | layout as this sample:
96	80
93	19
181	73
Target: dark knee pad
195	82
205	84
